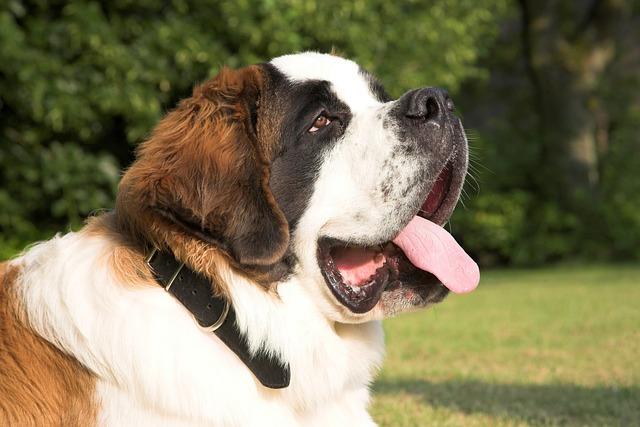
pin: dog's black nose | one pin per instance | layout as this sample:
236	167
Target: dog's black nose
428	104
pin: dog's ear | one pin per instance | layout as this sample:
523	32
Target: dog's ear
206	170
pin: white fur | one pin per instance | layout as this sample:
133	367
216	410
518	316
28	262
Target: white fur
156	367
343	74
349	201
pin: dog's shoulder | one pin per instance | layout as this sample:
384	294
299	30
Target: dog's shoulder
38	383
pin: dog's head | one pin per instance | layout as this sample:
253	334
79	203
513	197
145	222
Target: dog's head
305	168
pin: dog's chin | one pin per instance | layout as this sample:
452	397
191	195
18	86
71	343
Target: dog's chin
384	282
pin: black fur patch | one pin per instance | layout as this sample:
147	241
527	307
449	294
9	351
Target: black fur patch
376	87
295	169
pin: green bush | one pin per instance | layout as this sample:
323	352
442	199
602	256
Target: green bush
515	228
621	190
82	82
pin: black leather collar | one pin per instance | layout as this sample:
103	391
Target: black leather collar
214	314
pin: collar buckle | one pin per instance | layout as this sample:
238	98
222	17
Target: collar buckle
208	328
148	260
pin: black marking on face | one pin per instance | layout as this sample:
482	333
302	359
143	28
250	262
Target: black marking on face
408	149
295	169
375	86
425	142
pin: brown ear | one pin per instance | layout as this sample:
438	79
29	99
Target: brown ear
206	170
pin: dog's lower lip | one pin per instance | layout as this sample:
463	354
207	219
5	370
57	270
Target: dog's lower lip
358	297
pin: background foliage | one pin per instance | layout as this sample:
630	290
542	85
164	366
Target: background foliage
549	90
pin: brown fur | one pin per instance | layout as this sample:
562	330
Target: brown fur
199	186
126	258
39	385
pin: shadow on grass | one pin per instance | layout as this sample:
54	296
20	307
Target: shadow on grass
544	404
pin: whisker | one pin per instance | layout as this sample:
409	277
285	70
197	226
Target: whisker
464	206
476	165
473	182
474	174
464	194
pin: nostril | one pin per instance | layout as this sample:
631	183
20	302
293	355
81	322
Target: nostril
433	110
425	105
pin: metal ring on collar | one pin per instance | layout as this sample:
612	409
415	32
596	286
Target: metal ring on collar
220	321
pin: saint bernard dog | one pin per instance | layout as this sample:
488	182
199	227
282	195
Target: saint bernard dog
306	201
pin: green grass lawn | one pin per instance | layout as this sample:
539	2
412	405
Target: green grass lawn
557	346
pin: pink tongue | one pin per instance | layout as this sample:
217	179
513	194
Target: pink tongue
430	248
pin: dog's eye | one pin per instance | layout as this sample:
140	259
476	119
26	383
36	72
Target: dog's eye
320	122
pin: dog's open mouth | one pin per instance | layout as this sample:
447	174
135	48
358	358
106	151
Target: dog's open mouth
423	257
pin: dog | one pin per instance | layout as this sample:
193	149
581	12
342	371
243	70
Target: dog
267	226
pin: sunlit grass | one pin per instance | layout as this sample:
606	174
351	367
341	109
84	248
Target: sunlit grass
557	346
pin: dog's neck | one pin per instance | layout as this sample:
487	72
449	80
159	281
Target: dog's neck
215	315
150	230
126	316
